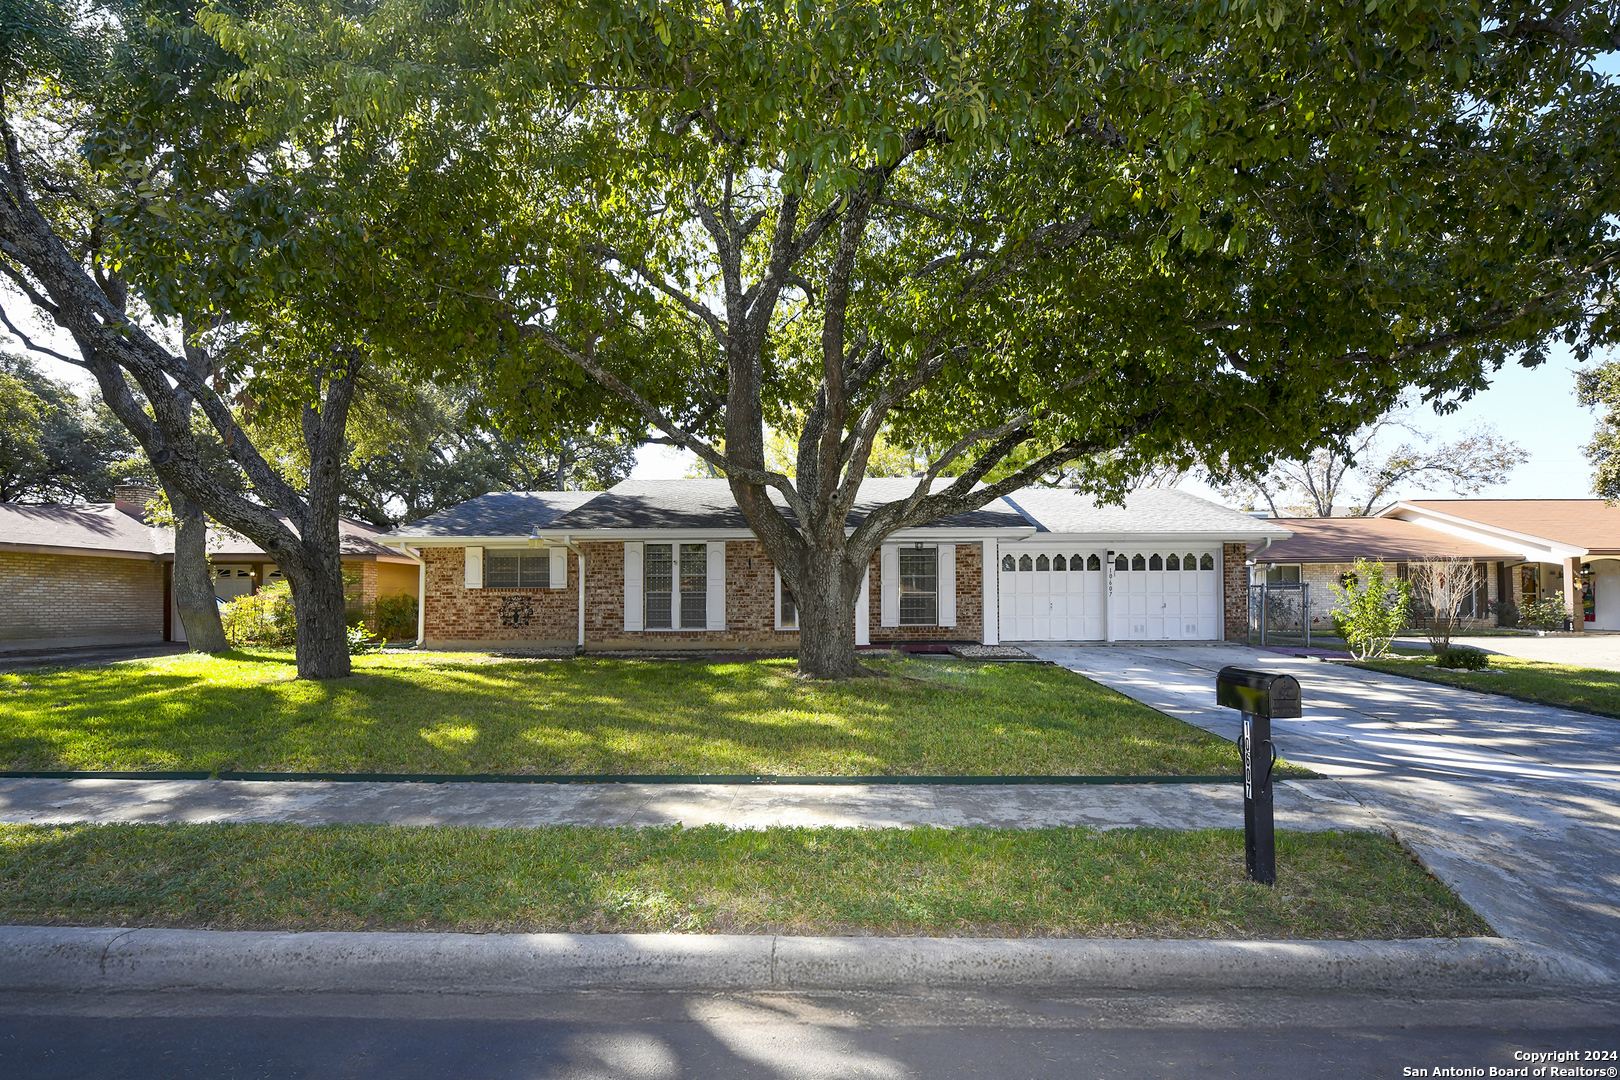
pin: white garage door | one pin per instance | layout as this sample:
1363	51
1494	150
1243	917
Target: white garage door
1052	594
1166	596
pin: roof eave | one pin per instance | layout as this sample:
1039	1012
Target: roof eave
1554	547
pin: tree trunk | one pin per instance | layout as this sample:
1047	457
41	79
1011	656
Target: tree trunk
322	648
193	581
827	617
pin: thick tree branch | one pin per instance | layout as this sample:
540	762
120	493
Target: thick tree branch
677	434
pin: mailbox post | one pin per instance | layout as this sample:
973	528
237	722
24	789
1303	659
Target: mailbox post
1260	696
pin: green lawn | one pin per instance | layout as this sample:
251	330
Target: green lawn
979	882
1592	690
466	713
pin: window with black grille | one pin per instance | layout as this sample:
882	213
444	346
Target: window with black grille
919	586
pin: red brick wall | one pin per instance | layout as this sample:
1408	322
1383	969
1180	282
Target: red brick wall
459	615
750	603
1235	582
969	602
66	599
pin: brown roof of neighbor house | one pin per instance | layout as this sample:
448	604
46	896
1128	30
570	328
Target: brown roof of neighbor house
92	528
104	530
1587	523
354	541
1344	540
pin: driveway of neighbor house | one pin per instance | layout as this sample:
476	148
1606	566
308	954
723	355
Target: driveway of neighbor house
1592	650
1515	806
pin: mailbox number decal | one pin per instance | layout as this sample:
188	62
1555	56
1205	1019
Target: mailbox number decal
1248	758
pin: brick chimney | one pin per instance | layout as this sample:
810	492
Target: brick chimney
133	498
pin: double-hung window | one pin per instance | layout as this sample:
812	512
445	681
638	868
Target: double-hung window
517	569
919	586
676	580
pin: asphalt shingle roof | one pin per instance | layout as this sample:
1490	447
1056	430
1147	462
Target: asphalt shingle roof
500	513
102	527
1586	523
707	504
1344	540
1150	512
92	526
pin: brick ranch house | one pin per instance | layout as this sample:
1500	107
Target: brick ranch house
1526	549
673	565
76	575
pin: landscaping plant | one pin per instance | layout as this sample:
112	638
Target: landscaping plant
262	618
396	617
1446	587
1370	609
1549	613
1467	659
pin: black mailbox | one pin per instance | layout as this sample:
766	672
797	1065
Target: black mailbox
1258	693
1261	696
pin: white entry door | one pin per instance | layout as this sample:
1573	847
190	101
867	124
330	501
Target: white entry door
1166	596
1052	594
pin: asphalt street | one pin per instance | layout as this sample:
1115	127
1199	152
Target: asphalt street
673	1036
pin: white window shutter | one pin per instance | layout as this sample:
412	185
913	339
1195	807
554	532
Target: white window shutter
778	575
889	582
559	568
475	568
716	605
633	614
863	610
946	569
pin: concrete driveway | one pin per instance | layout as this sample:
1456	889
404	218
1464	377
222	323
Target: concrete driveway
1593	650
1515	806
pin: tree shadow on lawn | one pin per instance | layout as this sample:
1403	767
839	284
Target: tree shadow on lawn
597	717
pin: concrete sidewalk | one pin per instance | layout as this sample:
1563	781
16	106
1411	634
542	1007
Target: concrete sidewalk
1302	805
1515	806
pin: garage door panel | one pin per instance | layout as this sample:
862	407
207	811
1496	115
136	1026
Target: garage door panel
1178	603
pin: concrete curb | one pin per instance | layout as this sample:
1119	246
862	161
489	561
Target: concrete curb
43	958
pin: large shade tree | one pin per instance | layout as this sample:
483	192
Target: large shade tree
207	261
1106	234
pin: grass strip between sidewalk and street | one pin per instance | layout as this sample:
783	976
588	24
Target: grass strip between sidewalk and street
460	713
1060	882
1565	686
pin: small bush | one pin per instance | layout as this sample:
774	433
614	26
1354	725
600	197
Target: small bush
1546	614
360	640
1371	612
1457	657
264	618
1506	612
396	617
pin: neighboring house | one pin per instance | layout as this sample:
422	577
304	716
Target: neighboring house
673	565
1529	549
98	574
1566	547
1323	551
